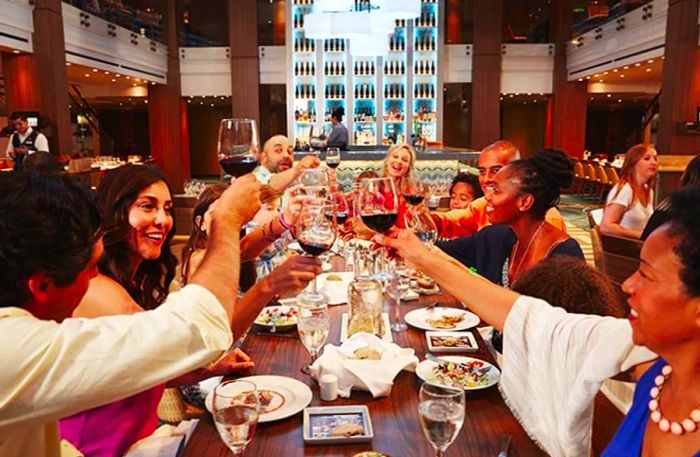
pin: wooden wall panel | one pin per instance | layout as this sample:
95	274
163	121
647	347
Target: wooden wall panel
245	62
51	80
486	72
21	93
567	130
680	93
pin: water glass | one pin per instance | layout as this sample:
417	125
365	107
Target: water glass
441	411
236	408
313	324
399	286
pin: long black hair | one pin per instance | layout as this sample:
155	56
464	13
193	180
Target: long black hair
148	285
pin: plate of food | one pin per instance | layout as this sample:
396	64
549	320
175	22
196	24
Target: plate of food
280	396
457	371
282	317
451	342
442	319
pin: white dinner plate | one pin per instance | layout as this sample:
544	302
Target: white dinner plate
424	370
289	396
419	318
280	310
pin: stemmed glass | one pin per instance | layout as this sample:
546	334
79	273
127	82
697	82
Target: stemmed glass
378	205
398	288
238	146
236	408
314	181
417	216
313	324
441	411
333	157
316	233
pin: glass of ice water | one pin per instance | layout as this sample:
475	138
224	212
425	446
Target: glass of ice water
313	324
236	408
441	411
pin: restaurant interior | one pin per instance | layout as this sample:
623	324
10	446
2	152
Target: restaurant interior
409	192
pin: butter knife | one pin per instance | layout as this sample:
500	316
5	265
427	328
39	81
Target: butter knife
504	445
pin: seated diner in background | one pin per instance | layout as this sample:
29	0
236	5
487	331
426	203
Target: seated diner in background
55	366
474	217
465	188
518	197
630	202
664	297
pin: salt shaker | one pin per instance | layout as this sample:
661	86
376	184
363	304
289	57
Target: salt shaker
329	387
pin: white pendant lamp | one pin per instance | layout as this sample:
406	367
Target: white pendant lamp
317	26
373	45
381	23
399	9
333	6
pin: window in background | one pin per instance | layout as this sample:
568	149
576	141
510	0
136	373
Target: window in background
526	21
204	23
141	16
459	21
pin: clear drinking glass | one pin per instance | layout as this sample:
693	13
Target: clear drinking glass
238	148
332	157
441	411
399	286
314	181
313	324
236	410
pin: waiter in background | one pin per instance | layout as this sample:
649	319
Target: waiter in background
24	141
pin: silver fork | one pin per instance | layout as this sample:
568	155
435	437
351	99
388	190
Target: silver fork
274	317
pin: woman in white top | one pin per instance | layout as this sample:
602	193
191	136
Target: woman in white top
630	203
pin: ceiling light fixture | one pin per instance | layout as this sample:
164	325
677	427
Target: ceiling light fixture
648	70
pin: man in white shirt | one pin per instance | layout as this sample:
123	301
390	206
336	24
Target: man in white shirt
25	140
54	366
277	167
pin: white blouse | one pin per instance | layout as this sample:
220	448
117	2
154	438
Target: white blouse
636	215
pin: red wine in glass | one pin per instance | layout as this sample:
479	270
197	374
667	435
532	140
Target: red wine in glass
414	199
238	166
332	163
381	222
314	248
340	216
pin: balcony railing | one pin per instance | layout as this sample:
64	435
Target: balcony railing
597	15
148	23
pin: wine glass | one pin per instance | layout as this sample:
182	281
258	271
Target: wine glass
314	181
413	191
313	324
236	408
378	206
333	157
398	288
238	146
316	233
441	411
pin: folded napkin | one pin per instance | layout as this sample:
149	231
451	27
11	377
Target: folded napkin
374	376
164	442
336	291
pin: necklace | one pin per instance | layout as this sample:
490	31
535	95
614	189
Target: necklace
517	244
689	424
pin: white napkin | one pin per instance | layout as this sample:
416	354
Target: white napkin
374	376
164	442
336	291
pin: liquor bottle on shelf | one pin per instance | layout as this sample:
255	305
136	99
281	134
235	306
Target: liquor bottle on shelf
403	68
432	68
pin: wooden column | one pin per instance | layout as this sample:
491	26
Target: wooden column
167	114
245	63
566	112
680	94
486	72
21	93
50	81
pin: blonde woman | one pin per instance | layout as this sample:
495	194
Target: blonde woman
398	164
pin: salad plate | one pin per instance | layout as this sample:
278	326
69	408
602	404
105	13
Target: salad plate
282	317
456	371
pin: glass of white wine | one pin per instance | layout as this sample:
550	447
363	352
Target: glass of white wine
236	408
399	286
313	324
441	411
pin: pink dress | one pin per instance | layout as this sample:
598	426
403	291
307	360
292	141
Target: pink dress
109	430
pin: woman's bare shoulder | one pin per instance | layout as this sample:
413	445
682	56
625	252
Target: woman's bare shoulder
105	297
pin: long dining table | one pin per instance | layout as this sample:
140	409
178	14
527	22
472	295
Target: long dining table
397	429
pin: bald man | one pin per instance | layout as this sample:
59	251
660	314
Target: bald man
463	222
277	166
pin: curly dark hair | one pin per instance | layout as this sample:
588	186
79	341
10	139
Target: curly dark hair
579	288
148	285
49	224
544	175
470	180
684	221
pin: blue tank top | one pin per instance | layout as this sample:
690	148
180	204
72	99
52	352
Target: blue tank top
628	439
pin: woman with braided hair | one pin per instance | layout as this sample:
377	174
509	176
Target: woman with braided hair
519	236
